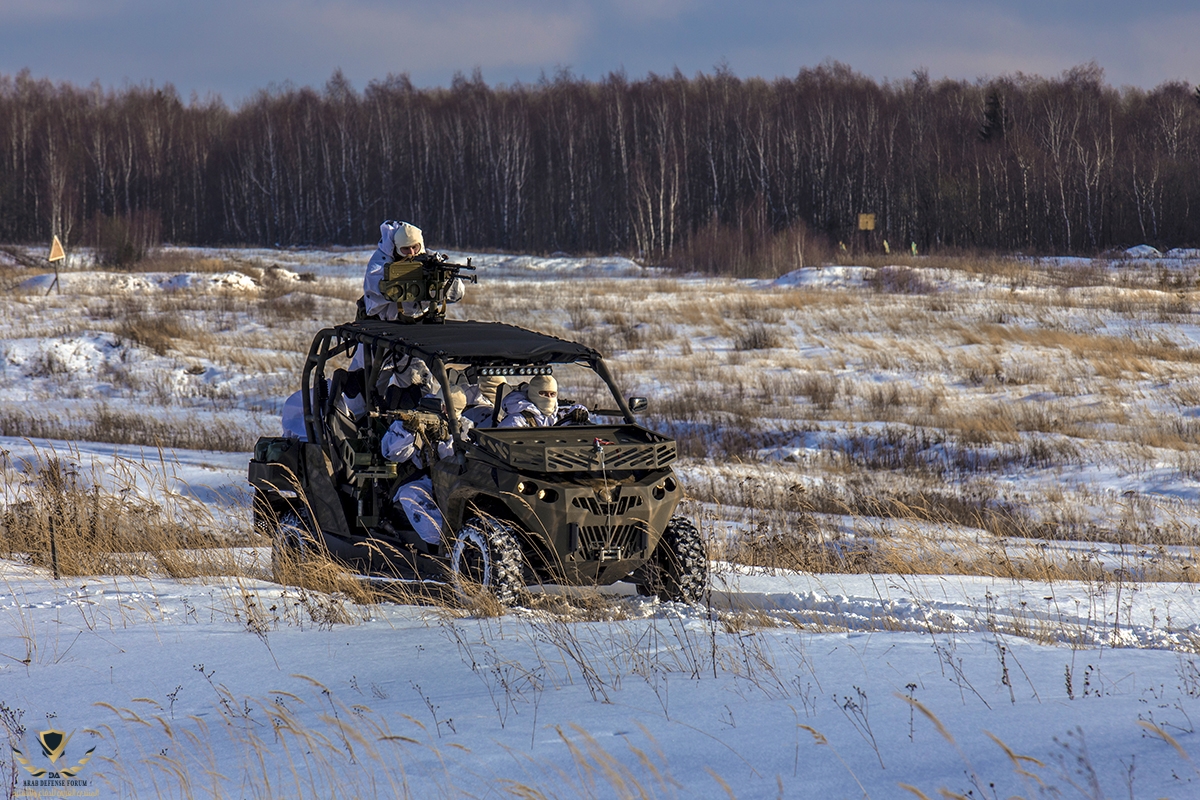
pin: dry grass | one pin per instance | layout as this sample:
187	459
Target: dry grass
919	392
58	515
106	423
890	546
158	333
176	260
132	518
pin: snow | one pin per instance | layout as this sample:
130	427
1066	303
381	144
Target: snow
510	266
77	355
825	277
142	283
248	677
782	684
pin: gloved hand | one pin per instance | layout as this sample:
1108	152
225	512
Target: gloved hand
435	430
427	426
576	416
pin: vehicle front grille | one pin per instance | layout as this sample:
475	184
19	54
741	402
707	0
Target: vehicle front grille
601	509
596	538
579	459
583	449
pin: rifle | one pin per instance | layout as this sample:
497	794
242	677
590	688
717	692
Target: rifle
429	428
425	278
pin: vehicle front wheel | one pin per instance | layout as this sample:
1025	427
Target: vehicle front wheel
487	556
678	569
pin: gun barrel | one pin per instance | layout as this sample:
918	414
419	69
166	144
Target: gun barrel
447	266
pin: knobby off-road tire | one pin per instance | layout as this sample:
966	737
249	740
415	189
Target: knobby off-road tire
678	570
291	544
487	555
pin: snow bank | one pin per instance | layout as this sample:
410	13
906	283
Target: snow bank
86	354
142	282
825	277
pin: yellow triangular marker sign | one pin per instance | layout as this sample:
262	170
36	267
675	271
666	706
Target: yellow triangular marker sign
56	251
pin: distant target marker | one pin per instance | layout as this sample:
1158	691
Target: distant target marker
56	254
56	251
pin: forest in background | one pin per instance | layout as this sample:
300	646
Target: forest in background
651	167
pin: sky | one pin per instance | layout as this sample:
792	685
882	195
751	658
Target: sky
236	47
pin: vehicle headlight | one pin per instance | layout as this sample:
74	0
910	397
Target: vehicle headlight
667	486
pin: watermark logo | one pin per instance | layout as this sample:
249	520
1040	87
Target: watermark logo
54	780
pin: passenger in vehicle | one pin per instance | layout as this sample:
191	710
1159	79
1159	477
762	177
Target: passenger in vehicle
346	390
536	406
347	403
404	388
411	450
481	400
398	240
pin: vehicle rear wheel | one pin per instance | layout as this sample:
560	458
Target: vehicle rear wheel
487	555
291	544
678	569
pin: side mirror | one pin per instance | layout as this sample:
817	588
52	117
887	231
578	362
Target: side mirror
638	404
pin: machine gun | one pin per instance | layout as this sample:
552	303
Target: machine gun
425	278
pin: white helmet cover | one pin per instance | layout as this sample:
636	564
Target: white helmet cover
407	235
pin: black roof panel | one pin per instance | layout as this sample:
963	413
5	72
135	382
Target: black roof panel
467	341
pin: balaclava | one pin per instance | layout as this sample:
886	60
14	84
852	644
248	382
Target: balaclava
543	383
488	385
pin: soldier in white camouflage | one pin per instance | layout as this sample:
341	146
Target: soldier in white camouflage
398	240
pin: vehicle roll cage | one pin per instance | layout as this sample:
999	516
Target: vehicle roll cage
479	344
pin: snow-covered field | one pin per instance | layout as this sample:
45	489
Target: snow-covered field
1014	635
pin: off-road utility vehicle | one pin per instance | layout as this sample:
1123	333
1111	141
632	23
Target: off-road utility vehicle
571	504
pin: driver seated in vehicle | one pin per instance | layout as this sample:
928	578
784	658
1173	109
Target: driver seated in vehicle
536	406
412	448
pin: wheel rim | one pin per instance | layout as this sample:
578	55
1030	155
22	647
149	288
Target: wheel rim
471	559
292	532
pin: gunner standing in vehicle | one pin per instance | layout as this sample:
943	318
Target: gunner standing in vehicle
398	240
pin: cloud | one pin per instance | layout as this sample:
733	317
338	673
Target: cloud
890	39
1165	50
15	12
416	37
236	47
652	10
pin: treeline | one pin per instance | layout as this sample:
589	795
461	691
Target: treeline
1025	163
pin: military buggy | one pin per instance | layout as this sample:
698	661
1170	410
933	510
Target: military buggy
573	504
